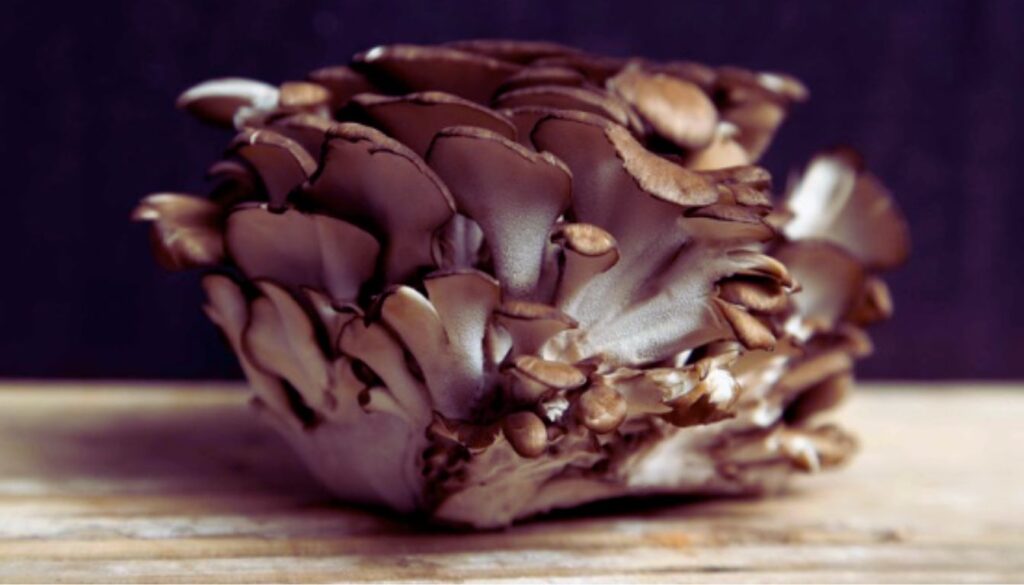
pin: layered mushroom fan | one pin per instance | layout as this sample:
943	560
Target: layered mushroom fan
487	279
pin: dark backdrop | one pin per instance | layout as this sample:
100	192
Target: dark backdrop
930	91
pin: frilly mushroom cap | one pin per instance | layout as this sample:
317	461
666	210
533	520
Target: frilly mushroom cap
218	100
186	230
302	250
418	68
281	164
513	50
836	200
342	82
490	278
415	119
375	181
564	97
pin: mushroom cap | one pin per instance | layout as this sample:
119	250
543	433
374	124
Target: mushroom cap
601	408
420	68
514	50
542	76
567	97
282	164
552	374
836	201
308	130
830	278
302	95
186	229
414	119
218	100
342	82
677	109
618	185
381	185
526	433
302	250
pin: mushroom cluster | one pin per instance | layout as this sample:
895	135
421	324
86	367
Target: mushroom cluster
487	279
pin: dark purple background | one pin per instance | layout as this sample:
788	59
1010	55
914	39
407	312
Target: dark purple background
930	91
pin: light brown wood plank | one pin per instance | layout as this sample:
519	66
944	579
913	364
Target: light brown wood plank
180	483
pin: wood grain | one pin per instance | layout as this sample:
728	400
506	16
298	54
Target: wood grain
179	483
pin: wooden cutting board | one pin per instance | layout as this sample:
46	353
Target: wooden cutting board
179	483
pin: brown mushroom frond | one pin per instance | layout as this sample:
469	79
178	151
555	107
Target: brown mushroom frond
836	201
422	68
227	307
749	330
342	82
281	340
186	230
542	76
676	109
618	185
595	68
831	281
304	96
756	104
513	50
282	164
525	118
538	378
452	371
383	186
302	250
531	325
515	195
874	304
373	345
415	119
309	130
465	300
722	152
756	294
217	101
563	97
806	450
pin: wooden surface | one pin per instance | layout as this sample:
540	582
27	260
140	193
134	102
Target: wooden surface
125	483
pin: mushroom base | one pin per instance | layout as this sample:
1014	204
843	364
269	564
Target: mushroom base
380	460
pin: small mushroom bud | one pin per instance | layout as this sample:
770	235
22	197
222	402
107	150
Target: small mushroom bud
601	408
526	433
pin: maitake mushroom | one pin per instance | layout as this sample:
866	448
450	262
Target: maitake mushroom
492	278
